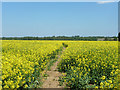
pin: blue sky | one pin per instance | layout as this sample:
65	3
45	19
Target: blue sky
59	18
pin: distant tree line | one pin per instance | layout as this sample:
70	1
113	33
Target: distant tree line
90	38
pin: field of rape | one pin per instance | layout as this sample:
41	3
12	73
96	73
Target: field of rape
85	64
23	61
90	64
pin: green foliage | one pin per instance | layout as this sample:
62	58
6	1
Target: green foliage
65	45
50	64
89	38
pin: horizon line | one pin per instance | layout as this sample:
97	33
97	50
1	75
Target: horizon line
63	35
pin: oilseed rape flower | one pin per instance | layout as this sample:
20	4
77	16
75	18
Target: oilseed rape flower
73	79
101	84
96	87
103	77
91	62
110	81
111	85
24	60
82	61
26	85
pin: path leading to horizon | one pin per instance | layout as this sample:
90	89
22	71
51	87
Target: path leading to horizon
53	75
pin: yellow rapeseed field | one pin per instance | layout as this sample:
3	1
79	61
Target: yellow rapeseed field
23	61
91	64
86	64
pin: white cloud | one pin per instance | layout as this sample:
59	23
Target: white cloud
107	1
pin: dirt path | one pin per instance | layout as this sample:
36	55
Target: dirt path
53	75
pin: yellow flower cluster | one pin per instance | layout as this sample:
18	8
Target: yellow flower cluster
95	62
23	61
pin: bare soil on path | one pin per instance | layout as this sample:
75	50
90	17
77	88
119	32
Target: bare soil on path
53	75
